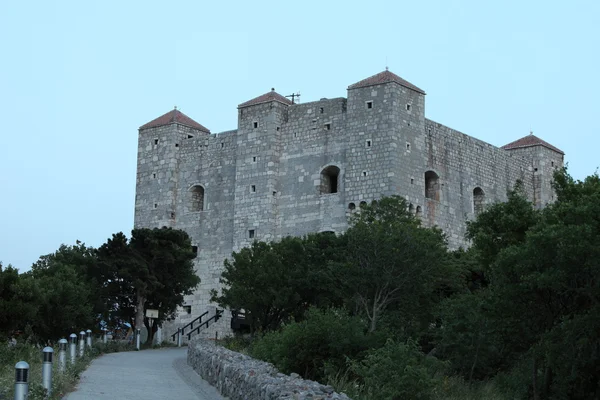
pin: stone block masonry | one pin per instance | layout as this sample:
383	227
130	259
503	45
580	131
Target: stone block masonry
293	169
240	377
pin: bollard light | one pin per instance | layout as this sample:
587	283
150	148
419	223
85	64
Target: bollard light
72	347
81	343
89	338
137	339
179	337
21	380
104	335
62	355
47	355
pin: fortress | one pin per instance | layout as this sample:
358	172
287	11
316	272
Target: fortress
292	169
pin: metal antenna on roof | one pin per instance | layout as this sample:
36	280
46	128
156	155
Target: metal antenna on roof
175	107
386	64
293	96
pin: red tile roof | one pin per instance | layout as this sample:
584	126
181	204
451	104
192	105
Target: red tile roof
265	98
385	77
172	117
529	141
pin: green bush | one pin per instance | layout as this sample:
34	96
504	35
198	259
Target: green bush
399	371
316	345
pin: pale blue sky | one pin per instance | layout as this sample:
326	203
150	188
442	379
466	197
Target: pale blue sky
78	78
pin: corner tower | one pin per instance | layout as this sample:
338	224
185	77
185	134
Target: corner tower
256	215
545	159
157	181
386	122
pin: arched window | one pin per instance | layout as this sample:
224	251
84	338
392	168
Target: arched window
351	206
197	198
411	208
419	212
329	179
478	200
432	185
362	204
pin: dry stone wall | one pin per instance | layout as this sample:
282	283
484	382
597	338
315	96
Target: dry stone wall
240	377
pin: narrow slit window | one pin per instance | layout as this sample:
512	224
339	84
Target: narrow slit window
253	188
321	110
408	146
154	176
369	105
254	159
408	107
155	141
195	251
222	144
255	124
369	143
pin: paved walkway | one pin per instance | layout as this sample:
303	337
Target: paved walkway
143	375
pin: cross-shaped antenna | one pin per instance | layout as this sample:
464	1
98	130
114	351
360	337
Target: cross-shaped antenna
293	96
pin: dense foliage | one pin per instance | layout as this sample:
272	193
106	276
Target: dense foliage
519	308
77	287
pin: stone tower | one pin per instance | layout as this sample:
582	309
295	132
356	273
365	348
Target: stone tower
293	169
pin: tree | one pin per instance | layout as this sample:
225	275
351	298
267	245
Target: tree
18	305
278	281
65	296
154	269
392	261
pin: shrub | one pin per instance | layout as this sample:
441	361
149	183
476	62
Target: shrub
399	371
324	338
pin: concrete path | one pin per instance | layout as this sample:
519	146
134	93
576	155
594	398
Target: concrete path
143	375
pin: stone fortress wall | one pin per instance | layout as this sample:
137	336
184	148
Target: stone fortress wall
292	169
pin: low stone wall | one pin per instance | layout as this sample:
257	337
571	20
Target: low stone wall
240	377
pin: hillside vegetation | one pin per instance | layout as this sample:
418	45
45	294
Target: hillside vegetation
385	311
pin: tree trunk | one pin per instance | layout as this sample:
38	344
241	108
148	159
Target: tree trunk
151	329
536	395
373	319
139	312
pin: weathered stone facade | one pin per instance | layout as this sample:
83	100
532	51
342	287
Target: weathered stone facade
291	169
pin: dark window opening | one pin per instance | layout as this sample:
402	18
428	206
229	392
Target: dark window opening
251	233
407	146
327	127
155	141
411	208
478	200
329	179
274	194
254	159
253	188
176	144
535	169
408	107
187	309
364	173
368	143
190	136
195	251
553	163
295	134
277	129
197	198
412	181
432	185
321	110
172	215
222	144
351	206
255	124
155	205
154	176
419	212
369	104
362	204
